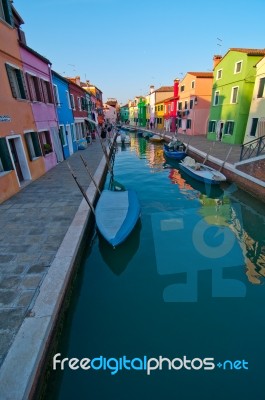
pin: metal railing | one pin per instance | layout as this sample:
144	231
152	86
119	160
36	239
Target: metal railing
253	148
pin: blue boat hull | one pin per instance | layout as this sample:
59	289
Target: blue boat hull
198	177
175	155
116	215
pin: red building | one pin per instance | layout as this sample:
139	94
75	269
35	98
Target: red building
79	106
170	109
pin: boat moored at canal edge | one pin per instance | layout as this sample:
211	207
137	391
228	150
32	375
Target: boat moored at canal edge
117	213
202	172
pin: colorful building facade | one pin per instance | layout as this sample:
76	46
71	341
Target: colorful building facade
65	114
256	119
37	70
195	91
21	159
233	84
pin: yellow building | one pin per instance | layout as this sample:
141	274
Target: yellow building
159	114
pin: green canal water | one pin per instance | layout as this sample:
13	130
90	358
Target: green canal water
187	286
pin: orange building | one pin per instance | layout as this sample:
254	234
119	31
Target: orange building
16	116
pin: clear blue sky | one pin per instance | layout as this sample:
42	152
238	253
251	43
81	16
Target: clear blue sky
125	46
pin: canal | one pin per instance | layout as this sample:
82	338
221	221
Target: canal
180	303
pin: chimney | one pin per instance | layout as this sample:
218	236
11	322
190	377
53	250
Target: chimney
176	87
152	88
216	59
77	80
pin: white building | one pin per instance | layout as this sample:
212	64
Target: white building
256	120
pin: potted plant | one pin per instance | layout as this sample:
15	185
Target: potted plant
47	148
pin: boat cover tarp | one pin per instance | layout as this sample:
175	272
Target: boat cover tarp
116	214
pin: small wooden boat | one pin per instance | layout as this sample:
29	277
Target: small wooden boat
156	139
116	215
176	153
201	172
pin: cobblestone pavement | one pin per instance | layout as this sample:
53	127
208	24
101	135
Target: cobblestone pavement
256	169
33	224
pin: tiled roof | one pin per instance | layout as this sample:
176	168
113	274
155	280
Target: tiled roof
202	74
249	52
165	89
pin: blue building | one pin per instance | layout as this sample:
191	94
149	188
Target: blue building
65	114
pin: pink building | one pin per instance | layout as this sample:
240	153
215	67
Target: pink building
195	91
37	70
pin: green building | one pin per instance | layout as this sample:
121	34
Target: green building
141	112
234	79
124	113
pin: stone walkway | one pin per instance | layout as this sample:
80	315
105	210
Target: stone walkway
33	225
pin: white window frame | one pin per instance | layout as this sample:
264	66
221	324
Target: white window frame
236	64
232	95
79	104
64	135
72	101
224	128
68	99
219	74
56	95
215	96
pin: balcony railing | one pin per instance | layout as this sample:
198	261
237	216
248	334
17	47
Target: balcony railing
253	148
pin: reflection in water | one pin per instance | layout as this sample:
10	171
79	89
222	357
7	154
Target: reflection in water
217	209
118	259
252	243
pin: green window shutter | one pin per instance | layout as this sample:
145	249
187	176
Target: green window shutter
36	143
8	12
5	156
9	70
22	85
28	146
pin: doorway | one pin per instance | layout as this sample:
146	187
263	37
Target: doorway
19	158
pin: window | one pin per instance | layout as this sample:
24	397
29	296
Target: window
62	135
191	104
216	98
234	95
17	82
192	84
6	12
68	99
182	88
238	67
186	105
79	103
35	92
212	126
229	127
261	88
219	74
5	159
180	105
72	101
158	108
56	95
254	127
188	124
162	107
46	91
45	142
33	145
179	122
